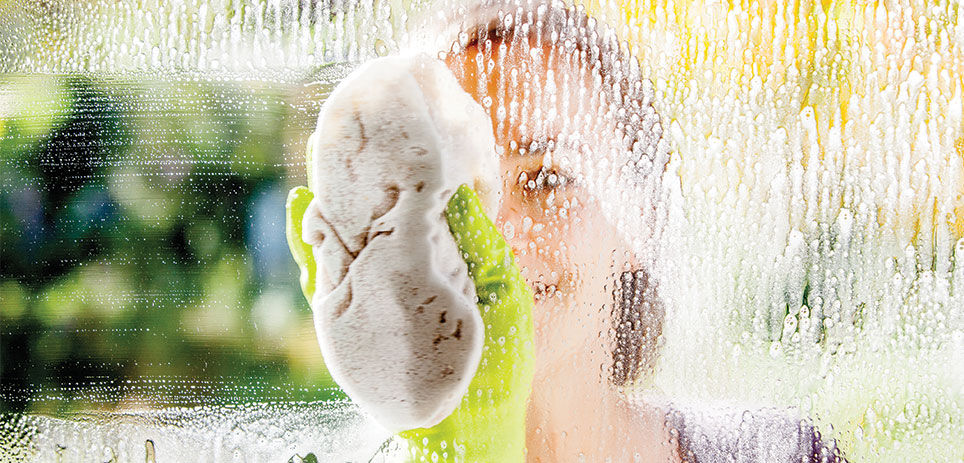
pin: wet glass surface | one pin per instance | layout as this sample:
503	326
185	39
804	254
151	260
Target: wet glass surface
741	225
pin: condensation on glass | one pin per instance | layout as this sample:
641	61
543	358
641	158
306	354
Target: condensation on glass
738	221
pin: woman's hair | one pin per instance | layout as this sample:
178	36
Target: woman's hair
637	313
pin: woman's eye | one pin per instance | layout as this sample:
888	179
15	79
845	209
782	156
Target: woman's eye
543	180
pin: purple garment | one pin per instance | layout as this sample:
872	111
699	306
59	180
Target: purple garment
749	436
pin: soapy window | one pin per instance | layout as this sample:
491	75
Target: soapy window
782	276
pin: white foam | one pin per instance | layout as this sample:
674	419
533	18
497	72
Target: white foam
395	310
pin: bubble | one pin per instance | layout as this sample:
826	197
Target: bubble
381	48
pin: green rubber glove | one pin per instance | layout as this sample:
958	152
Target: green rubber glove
489	424
298	200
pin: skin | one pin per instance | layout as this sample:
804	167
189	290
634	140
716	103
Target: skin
575	413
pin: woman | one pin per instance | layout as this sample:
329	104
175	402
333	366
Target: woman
573	118
554	129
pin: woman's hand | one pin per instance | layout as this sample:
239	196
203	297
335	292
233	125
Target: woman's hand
298	200
489	424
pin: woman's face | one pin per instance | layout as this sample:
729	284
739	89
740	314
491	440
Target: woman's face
550	126
558	138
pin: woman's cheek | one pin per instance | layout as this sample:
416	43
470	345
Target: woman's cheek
556	238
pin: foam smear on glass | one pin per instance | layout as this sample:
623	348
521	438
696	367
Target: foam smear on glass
812	256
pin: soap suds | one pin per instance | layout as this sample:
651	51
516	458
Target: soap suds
395	310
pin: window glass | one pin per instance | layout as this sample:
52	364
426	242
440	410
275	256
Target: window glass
720	231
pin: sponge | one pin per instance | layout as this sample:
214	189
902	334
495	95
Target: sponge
395	310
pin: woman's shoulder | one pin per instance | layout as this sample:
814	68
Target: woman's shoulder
737	434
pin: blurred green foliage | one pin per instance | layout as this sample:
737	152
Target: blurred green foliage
143	259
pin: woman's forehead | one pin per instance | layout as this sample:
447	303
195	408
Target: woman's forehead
534	94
